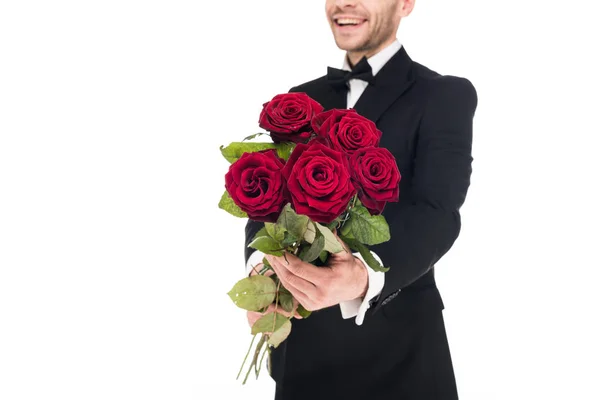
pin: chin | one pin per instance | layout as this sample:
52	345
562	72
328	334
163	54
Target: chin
348	44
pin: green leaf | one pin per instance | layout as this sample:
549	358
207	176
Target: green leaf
286	300
295	224
289	240
303	312
332	245
266	262
303	250
334	224
263	310
366	254
253	136
366	228
253	293
277	337
268	323
309	234
284	149
226	203
318	245
235	150
267	245
276	231
345	230
262	232
323	256
349	235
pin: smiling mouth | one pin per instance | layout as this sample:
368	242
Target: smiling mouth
348	21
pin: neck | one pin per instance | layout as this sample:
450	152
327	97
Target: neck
355	56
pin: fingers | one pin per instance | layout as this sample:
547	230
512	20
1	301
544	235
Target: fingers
297	267
301	298
295	309
297	285
310	293
254	316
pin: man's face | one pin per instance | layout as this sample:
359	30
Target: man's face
363	25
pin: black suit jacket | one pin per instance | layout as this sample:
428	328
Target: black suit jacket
426	119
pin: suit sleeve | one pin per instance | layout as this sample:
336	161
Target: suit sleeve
426	225
252	228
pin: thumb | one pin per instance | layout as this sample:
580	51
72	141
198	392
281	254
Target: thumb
344	245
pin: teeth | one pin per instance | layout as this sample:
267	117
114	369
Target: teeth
348	21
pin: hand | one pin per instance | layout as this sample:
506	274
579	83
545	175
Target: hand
344	278
254	316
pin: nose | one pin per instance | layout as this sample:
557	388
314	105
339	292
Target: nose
346	3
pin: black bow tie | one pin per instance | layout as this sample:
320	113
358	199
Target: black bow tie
339	78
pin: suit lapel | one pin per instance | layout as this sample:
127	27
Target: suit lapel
391	82
333	98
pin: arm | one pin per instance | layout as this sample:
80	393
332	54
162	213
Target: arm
252	228
425	226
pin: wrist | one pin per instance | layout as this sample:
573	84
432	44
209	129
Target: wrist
364	277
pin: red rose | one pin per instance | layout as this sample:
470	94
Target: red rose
288	117
318	181
256	185
346	129
376	177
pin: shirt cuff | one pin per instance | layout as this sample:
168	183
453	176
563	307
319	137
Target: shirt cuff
254	259
358	307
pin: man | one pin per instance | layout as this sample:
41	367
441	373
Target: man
382	336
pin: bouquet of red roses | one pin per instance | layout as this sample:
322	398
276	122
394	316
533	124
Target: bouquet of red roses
321	172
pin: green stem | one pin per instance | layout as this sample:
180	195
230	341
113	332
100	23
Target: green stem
347	213
292	249
255	358
261	360
354	200
245	358
269	364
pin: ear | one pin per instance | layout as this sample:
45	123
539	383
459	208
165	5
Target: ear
406	7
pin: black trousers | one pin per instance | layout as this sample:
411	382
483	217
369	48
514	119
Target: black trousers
418	367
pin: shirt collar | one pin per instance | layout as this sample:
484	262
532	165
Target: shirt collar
380	59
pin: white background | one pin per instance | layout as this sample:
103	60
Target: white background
115	260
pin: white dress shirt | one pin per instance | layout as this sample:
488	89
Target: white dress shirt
357	87
357	307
